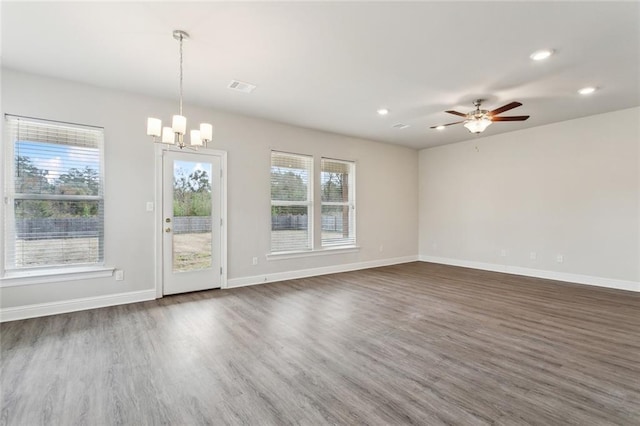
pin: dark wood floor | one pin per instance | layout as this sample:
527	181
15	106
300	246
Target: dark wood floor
415	343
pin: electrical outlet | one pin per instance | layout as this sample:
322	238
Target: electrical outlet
254	261
533	255
119	275
559	258
503	253
149	206
381	248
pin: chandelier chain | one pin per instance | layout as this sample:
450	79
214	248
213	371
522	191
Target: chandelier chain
181	37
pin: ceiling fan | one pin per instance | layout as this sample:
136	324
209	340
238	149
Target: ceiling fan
478	120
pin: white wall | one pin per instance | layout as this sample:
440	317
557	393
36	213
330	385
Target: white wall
570	188
387	189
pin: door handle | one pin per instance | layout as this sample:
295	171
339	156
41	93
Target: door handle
168	220
167	230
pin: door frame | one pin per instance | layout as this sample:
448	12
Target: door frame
158	228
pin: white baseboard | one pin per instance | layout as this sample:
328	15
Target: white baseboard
538	273
303	273
53	308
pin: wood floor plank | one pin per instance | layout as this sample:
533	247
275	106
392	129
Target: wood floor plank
417	343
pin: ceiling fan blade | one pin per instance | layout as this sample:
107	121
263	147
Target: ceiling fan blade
449	124
457	113
504	108
512	118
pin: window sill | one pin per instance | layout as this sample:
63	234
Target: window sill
311	253
19	278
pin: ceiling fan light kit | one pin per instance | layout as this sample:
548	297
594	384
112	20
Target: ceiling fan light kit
477	125
175	133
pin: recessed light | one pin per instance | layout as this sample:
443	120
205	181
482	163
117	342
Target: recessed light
539	55
440	128
587	90
383	111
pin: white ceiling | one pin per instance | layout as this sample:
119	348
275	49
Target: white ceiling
330	66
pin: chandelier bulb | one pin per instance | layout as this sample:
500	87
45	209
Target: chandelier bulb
179	124
167	135
206	132
195	138
153	126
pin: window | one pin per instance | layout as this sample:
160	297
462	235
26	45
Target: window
291	202
54	206
337	185
292	189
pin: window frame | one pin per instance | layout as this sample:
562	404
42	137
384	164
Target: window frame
308	203
10	275
350	203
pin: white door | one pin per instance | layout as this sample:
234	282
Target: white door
192	228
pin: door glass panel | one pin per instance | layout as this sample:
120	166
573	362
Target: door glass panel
191	225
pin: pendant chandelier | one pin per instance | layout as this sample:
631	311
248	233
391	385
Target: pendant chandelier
175	133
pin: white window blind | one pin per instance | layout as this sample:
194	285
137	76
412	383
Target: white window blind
54	206
337	185
291	202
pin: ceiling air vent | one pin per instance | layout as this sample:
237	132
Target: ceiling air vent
241	86
400	126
